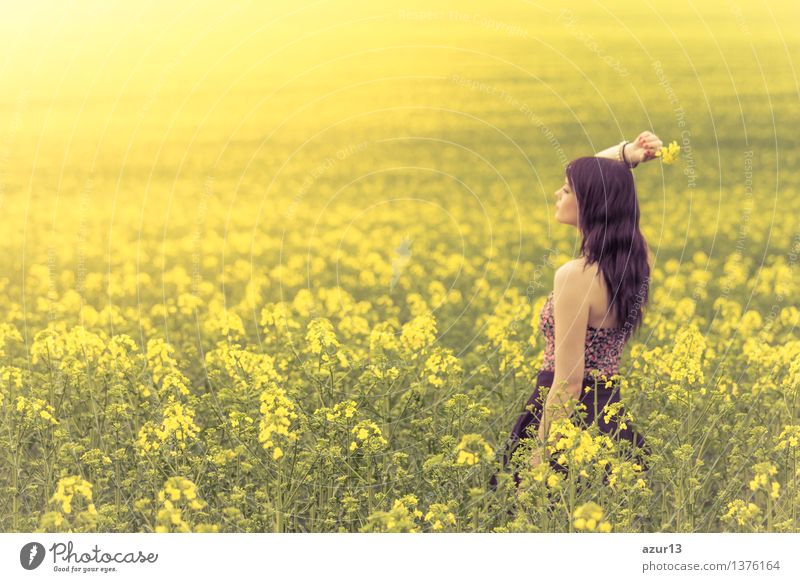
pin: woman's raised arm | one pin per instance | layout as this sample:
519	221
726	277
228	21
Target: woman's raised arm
642	150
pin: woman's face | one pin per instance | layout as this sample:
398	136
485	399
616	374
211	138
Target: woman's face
566	205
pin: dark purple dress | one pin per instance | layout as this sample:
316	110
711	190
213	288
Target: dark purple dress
602	353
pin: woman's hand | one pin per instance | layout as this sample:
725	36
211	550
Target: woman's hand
644	148
536	459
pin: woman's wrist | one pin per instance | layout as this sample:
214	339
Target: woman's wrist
626	156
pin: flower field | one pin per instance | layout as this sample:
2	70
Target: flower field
282	270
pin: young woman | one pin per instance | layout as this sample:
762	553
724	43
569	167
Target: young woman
597	301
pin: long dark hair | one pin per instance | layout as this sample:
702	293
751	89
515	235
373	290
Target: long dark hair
608	219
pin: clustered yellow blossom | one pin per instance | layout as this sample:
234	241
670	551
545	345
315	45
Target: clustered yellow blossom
69	487
278	316
562	436
65	518
321	337
368	437
177	423
245	368
188	303
10	378
160	358
669	154
177	494
346	409
166	375
36	408
237	418
789	437
613	409
437	366
792	379
554	480
72	351
383	337
623	475
762	480
507	317
589	517
177	487
277	414
174	383
686	359
418	334
117	356
223	321
8	332
382	372
402	518
439	516
742	512
541	471
473	449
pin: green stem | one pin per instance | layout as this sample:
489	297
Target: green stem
15	502
794	487
278	504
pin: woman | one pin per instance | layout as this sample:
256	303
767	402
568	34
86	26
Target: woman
597	301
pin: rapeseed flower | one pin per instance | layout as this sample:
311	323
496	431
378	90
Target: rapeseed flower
473	449
277	415
439	516
441	363
762	480
686	360
34	409
744	513
418	334
403	517
789	437
669	153
367	437
67	488
589	517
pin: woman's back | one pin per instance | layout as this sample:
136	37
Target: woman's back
604	345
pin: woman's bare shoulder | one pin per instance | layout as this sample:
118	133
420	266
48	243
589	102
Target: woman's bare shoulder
576	272
579	265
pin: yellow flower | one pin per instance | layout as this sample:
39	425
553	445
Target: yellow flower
473	449
321	337
669	154
370	435
439	515
177	492
554	480
277	416
686	360
69	487
346	409
762	476
743	513
439	364
589	517
403	517
789	437
418	334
